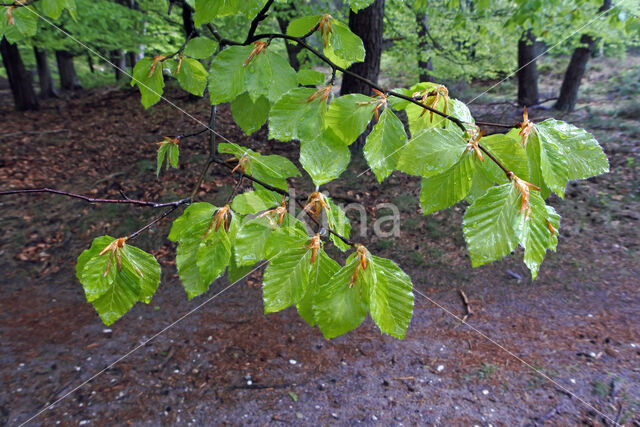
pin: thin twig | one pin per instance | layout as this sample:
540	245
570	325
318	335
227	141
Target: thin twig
467	306
96	200
167	213
261	16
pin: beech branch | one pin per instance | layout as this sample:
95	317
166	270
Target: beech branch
124	201
302	42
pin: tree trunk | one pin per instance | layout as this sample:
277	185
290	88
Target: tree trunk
19	79
119	60
187	20
47	90
528	70
368	25
422	20
577	66
68	78
132	58
285	12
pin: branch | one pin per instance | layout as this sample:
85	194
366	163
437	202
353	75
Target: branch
132	235
95	200
261	16
19	3
373	85
212	151
498	125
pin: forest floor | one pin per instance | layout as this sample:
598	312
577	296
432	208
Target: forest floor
228	363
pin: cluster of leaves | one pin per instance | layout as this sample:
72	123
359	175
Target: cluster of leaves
505	178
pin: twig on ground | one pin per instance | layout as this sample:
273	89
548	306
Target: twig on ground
467	306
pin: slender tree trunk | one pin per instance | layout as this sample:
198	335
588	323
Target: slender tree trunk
19	79
528	70
67	71
47	90
132	58
576	69
424	67
367	24
119	60
285	12
90	63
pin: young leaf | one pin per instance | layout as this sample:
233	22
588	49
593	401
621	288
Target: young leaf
492	224
273	169
192	76
310	77
384	144
200	48
349	115
250	115
162	153
341	305
432	152
115	276
339	223
203	251
227	75
293	116
18	23
584	155
321	271
539	232
147	75
269	74
286	278
445	189
345	44
207	10
253	202
324	158
547	162
391	299
300	26
54	8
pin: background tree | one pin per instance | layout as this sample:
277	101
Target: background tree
19	79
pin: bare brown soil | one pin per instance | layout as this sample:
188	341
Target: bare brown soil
228	363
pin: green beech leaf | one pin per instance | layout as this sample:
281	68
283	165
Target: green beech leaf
338	222
384	144
345	44
293	117
249	246
269	74
200	48
310	77
150	83
227	75
510	153
584	155
250	115
203	253
432	151
162	153
54	8
537	236
320	272
492	224
547	162
286	278
324	158
349	115
174	153
339	307
272	169
445	189
192	76
300	26
24	23
391	299
213	255
115	281
207	10
253	202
